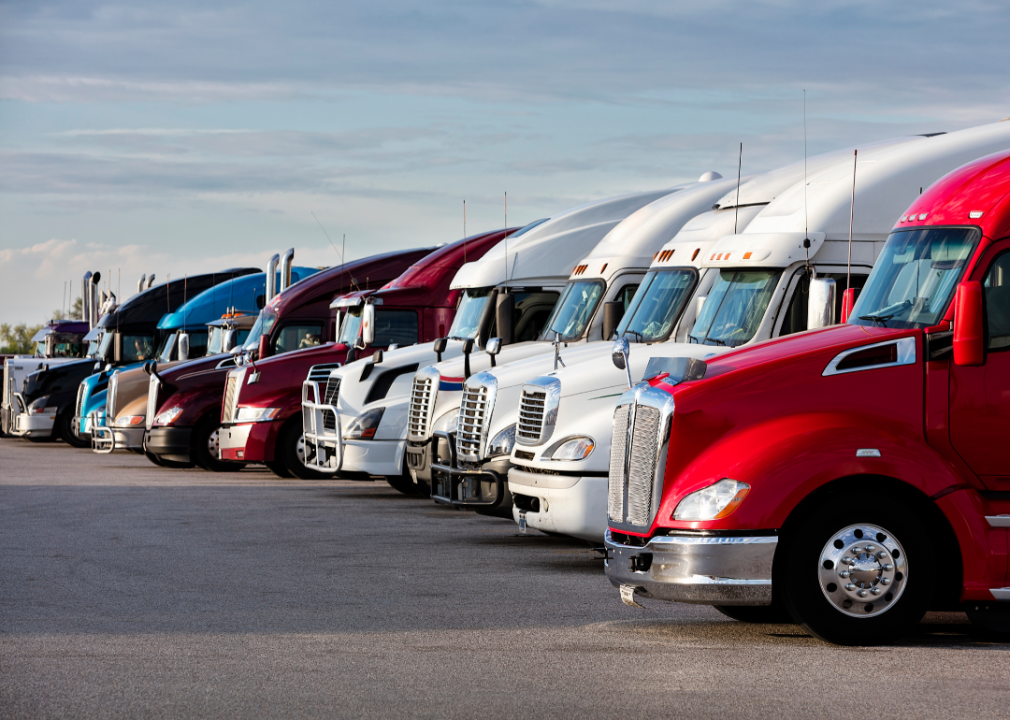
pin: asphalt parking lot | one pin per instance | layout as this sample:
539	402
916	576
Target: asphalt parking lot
130	591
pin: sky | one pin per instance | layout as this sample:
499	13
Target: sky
187	137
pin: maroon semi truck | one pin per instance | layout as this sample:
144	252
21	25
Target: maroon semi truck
261	411
184	403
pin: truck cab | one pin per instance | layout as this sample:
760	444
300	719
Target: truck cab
762	283
415	306
830	474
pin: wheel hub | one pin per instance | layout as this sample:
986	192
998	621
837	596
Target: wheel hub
300	449
863	570
214	443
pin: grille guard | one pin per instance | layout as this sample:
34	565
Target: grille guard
457	487
324	447
103	440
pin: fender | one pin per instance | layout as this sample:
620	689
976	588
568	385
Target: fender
194	403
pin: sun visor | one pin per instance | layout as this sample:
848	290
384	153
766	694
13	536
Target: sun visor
761	249
93	335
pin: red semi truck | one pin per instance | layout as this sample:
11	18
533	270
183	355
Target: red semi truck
261	412
184	403
854	476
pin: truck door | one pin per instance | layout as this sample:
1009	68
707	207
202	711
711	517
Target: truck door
980	396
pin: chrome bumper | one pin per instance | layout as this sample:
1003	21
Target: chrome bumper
324	447
40	425
706	570
105	439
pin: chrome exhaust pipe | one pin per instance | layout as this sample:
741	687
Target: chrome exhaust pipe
85	293
272	278
93	299
140	283
150	281
286	263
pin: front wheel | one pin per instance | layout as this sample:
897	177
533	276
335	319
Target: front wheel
65	429
289	454
854	576
206	443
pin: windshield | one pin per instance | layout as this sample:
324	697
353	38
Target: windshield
350	327
914	277
105	346
657	305
573	312
466	324
735	307
265	321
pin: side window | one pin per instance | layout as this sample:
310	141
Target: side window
137	348
395	326
997	302
532	311
796	315
297	337
626	294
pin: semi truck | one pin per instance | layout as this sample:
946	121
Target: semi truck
509	293
417	306
852	475
760	289
184	403
125	334
123	404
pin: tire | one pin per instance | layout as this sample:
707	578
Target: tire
65	429
402	483
881	599
154	459
290	449
775	614
205	441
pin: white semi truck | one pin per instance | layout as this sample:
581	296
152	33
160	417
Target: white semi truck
352	425
757	291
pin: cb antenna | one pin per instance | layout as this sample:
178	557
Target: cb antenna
464	231
852	212
736	210
506	243
806	220
327	236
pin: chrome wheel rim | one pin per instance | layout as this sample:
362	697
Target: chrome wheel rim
300	449
214	443
863	570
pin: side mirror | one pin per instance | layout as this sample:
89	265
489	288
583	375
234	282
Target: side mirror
368	324
183	346
377	357
228	341
467	349
969	326
440	345
821	303
849	298
612	314
264	348
619	354
117	347
504	313
493	347
236	351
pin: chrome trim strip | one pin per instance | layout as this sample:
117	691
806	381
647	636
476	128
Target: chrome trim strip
906	356
998	521
1001	593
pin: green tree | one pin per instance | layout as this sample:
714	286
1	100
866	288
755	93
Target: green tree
18	338
73	314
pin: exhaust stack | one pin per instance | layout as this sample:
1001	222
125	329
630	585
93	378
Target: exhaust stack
286	263
140	283
85	294
93	300
150	281
271	278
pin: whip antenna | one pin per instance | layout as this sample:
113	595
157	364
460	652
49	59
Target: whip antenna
506	243
464	232
326	234
806	219
736	210
852	211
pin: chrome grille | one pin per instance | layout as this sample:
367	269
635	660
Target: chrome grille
618	456
321	373
642	468
529	426
474	412
110	400
81	390
332	394
419	410
320	376
230	397
153	386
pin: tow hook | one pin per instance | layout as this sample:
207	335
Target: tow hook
641	562
628	596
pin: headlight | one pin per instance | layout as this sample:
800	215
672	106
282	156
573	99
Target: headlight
364	426
168	417
502	443
255	414
714	502
128	420
38	406
576	448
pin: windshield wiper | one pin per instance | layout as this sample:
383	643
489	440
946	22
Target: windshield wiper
717	341
638	335
882	319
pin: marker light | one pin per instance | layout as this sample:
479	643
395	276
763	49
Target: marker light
713	502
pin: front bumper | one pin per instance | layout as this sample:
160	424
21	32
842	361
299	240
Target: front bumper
374	457
565	504
484	488
250	442
169	443
106	439
689	568
40	425
419	460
